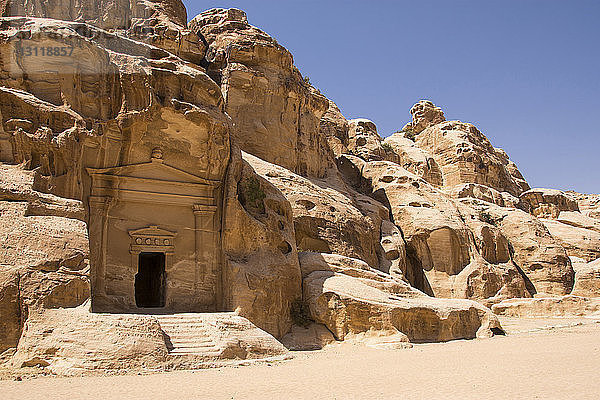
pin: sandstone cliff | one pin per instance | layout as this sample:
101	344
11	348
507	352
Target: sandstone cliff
299	215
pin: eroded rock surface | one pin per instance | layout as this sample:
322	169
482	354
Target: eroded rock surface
262	260
465	155
424	114
161	23
328	217
547	203
43	264
564	306
275	110
405	153
351	299
587	279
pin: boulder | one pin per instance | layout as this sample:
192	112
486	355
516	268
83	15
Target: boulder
348	302
312	337
424	114
364	141
587	279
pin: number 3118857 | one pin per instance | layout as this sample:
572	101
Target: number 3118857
35	51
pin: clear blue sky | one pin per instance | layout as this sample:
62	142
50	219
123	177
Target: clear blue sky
525	72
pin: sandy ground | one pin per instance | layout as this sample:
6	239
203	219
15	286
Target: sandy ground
538	359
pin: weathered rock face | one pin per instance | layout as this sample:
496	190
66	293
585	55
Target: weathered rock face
451	252
587	279
161	23
538	254
350	298
328	217
547	203
577	233
578	242
394	261
275	111
364	141
430	223
43	263
262	268
335	129
565	306
60	119
465	155
17	185
10	308
485	193
579	220
405	153
589	204
424	114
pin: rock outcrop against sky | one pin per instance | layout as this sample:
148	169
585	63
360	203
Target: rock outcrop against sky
155	166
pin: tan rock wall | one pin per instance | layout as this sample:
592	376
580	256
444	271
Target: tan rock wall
465	155
547	203
262	275
276	112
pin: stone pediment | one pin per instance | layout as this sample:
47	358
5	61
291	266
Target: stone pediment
155	170
154	181
153	231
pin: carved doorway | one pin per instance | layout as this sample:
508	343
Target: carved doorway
150	280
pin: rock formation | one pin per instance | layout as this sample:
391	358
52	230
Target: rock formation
276	111
190	175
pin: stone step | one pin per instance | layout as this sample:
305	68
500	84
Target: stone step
183	352
189	335
199	343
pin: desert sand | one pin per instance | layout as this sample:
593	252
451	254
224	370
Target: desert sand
538	359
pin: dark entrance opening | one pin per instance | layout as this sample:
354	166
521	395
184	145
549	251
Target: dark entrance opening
150	280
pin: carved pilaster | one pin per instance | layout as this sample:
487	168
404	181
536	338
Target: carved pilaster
205	248
99	208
